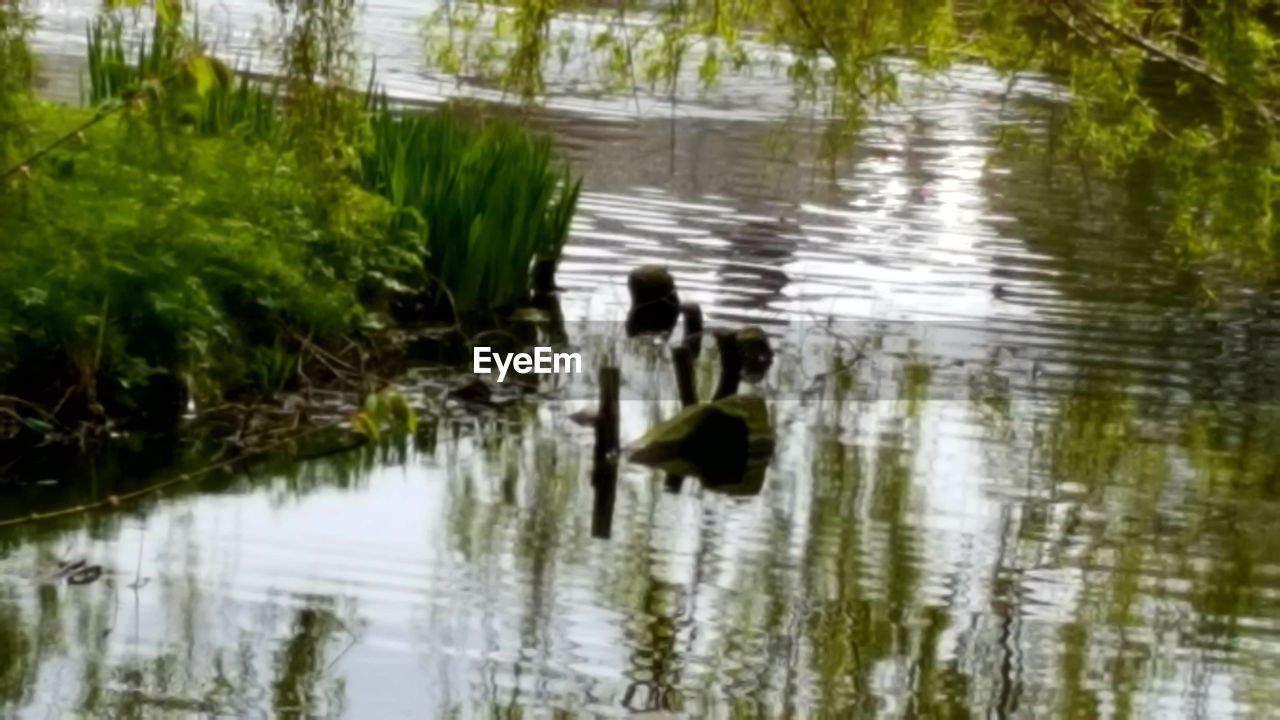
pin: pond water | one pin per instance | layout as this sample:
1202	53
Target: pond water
1022	467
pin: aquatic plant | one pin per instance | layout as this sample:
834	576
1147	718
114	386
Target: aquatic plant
491	201
384	412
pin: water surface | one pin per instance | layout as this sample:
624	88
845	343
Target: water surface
1047	488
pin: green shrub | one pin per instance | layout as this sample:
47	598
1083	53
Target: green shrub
119	262
199	228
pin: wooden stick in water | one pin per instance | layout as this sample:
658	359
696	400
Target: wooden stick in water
682	359
544	282
730	364
607	418
604	473
692	313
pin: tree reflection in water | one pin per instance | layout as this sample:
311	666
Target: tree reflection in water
1116	542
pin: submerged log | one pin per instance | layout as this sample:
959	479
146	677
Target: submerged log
482	392
750	482
716	441
655	305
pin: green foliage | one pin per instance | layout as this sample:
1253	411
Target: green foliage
491	200
180	83
1183	93
120	262
17	68
115	72
272	367
198	225
319	59
840	44
384	412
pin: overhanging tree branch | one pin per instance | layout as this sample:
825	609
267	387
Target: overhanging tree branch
1192	65
824	44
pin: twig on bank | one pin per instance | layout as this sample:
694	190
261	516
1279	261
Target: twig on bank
496	332
78	131
308	343
44	414
341	369
454	311
65	397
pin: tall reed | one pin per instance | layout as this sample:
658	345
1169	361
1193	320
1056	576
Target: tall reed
218	104
489	201
114	70
492	200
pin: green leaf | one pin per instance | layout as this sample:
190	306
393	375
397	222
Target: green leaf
366	426
38	425
203	72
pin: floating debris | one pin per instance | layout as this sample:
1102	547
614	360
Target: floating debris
77	572
478	391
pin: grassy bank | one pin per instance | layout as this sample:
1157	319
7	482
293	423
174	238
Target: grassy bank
190	234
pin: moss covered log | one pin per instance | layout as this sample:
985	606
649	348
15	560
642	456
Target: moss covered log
716	441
